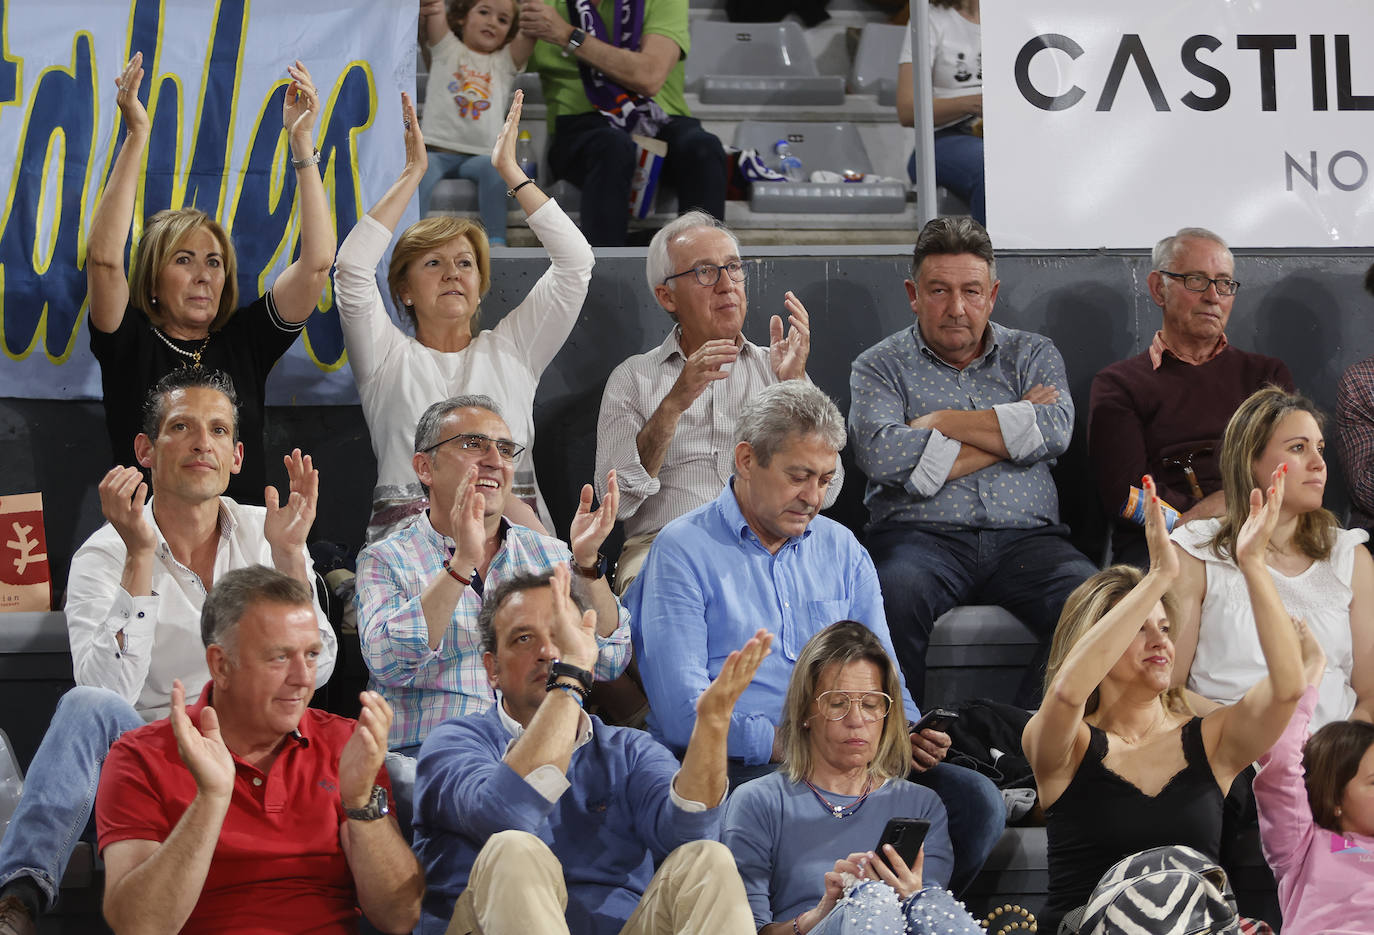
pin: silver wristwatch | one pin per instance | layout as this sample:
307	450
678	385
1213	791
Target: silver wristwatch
375	808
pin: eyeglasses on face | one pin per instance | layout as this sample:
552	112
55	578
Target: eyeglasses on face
472	441
1196	282
708	274
834	705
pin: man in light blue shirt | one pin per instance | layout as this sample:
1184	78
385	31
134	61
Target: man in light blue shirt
957	422
759	555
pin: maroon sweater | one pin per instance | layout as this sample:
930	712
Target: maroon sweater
1139	416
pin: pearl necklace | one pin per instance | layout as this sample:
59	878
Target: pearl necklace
841	811
194	356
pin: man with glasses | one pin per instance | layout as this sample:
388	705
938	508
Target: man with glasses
420	590
668	416
760	555
1163	412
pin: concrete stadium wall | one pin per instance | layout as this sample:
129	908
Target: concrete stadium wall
1307	308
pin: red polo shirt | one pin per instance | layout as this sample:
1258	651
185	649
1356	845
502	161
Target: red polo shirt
279	864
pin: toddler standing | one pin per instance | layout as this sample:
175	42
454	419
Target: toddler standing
476	51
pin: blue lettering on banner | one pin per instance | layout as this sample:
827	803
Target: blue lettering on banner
42	240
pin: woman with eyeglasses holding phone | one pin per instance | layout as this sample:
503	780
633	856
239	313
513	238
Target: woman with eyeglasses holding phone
805	838
440	269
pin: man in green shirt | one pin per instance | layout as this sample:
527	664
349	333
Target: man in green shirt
618	72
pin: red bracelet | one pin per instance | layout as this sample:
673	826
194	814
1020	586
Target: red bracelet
455	576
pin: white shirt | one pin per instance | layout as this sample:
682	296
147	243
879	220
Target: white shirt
465	100
701	456
162	631
956	55
1228	661
398	377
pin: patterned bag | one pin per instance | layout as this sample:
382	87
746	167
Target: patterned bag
1162	891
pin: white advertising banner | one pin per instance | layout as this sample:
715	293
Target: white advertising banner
215	77
1111	123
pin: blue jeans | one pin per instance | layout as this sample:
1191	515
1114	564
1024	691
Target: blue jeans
59	790
925	572
959	167
400	767
872	907
491	188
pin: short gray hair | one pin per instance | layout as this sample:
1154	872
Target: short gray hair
792	407
238	590
427	429
507	589
657	264
950	236
1164	253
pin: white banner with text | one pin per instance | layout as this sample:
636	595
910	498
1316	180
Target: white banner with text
1111	123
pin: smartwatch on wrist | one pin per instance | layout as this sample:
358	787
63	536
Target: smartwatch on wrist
593	572
574	42
375	808
559	669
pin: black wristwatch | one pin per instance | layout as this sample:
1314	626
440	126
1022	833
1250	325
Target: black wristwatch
375	808
574	42
593	572
559	669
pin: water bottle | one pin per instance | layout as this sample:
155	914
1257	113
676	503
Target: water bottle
788	163
524	155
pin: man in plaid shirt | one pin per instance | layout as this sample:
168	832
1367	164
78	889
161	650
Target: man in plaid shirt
1355	432
419	591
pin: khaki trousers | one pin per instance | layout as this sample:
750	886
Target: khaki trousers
516	888
632	556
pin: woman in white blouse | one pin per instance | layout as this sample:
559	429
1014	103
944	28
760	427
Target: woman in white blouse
1324	576
439	272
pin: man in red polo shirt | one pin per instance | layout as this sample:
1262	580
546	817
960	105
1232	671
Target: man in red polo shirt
249	811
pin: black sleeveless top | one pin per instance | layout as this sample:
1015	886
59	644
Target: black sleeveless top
1101	818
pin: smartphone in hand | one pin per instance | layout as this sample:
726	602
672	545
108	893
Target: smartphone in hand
941	719
906	835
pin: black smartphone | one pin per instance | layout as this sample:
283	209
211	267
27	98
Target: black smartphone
906	835
941	719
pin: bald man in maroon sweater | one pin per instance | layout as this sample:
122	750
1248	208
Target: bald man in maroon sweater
1163	412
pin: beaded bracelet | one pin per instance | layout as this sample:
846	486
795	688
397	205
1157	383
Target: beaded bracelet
796	929
575	690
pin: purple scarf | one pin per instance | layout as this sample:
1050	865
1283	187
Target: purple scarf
624	109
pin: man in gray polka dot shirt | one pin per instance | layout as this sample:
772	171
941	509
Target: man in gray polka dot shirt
956	421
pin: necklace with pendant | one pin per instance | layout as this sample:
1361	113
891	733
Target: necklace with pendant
193	356
841	811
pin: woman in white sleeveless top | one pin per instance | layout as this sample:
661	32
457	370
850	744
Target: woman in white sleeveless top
1323	574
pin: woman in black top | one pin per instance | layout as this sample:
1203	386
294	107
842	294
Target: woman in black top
1122	762
178	306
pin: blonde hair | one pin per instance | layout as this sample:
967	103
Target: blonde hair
430	234
840	644
162	237
1249	432
1088	604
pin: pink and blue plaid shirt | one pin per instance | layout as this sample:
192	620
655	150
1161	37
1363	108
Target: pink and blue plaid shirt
427	686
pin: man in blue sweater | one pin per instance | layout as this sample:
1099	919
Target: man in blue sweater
536	817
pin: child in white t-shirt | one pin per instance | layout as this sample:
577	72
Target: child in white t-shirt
476	51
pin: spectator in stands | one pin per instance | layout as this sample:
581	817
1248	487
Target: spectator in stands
133	608
537	817
419	591
668	417
759	555
1316	813
475	53
957	420
618	73
955	36
177	308
440	269
1323	574
250	811
843	748
1122	761
1355	431
1162	412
